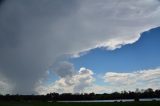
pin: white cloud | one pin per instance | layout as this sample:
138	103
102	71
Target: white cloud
74	84
130	81
84	82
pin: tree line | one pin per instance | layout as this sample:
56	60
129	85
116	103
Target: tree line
148	93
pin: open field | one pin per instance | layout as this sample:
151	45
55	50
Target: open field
153	103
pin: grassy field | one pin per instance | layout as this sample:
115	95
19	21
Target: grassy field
154	103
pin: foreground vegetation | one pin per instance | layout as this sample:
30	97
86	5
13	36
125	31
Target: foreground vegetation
36	103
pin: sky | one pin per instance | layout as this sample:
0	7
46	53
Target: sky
79	46
143	54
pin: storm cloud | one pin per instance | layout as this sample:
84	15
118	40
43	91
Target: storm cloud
34	33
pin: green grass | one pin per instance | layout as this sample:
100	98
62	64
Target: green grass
153	103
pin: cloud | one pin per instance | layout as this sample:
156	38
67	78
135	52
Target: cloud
34	33
77	83
5	86
84	82
130	81
63	69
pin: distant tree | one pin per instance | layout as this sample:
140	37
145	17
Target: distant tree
136	95
136	99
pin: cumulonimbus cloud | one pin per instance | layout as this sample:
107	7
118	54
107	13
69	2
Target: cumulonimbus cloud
34	33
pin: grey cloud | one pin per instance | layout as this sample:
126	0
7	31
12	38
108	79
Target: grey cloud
63	69
26	42
1	1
